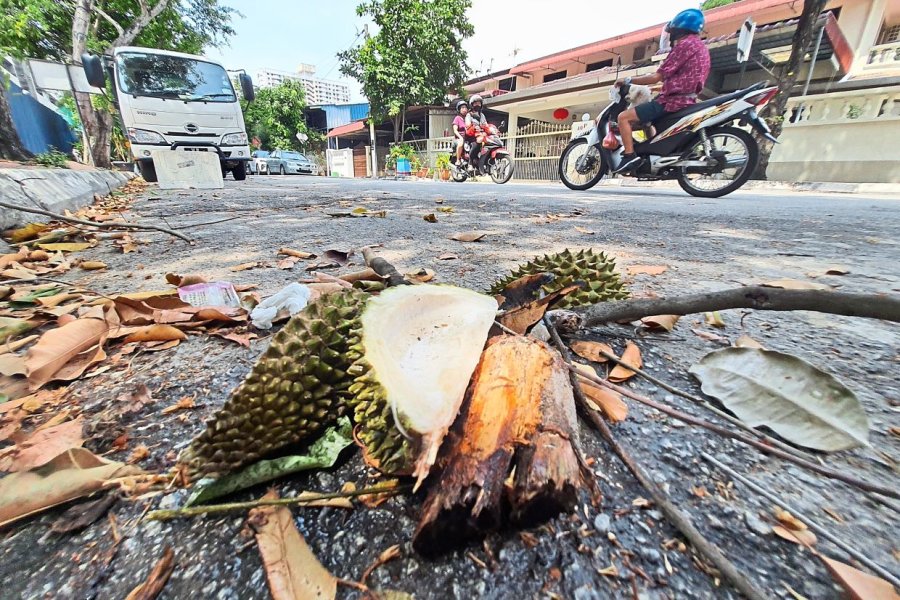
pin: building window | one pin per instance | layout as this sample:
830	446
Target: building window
555	76
889	34
508	84
639	53
598	65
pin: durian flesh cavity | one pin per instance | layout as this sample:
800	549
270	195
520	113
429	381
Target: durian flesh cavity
424	342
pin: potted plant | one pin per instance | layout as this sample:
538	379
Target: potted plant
442	164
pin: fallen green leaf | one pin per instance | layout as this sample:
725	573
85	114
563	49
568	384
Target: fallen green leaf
31	299
799	402
322	454
10	327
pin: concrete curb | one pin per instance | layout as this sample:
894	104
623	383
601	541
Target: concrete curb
55	190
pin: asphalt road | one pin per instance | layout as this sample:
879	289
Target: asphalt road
748	237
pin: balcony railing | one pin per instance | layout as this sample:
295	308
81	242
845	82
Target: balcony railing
884	55
877	104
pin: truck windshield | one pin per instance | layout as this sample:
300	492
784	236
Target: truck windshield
173	77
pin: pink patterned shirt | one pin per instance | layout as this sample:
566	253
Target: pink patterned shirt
684	72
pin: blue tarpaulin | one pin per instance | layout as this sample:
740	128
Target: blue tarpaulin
40	128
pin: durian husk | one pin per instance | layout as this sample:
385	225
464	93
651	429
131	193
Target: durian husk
456	322
297	388
596	270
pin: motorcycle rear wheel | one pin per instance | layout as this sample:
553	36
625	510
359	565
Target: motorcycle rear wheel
567	173
730	140
502	170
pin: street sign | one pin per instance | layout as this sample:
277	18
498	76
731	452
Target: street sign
745	40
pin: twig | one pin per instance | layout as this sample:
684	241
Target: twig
873	306
383	268
178	513
157	578
60	217
875	568
207	223
707	405
673	514
766	449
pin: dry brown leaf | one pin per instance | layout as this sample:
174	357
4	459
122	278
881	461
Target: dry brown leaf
422	275
641	502
66	352
583	230
184	280
610	571
156	333
296	253
184	403
591	350
745	341
699	491
647	269
239	338
18	344
522	317
12	364
666	322
859	585
376	500
287	263
788	520
448	256
56	300
41	447
293	571
73	474
39	256
445	209
632	357
430	218
244	266
607	401
469	236
795	284
67	246
157	578
837	270
803	537
389	554
710	337
92	265
139	453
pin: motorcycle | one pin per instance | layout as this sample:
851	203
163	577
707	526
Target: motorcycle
698	145
493	158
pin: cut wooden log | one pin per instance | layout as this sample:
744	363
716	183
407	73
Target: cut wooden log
513	455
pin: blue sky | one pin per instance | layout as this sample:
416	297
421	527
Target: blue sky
280	34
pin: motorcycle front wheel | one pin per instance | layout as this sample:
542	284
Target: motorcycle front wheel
741	154
588	178
456	174
502	169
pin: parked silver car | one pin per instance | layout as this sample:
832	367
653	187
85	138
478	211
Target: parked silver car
257	164
289	162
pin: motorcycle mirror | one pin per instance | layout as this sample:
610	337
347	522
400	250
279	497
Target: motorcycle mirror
586	117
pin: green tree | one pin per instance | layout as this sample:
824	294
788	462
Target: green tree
63	30
708	4
415	58
276	116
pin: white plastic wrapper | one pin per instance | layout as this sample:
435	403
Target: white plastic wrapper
292	298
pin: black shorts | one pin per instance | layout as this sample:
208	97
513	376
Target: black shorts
649	111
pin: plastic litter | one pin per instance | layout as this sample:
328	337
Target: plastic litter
292	298
217	293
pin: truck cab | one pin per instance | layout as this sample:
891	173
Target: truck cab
175	101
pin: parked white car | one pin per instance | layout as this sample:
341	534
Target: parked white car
289	162
258	164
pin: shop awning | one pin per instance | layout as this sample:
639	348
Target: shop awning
347	129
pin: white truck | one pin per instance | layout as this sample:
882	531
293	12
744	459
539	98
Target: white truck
174	101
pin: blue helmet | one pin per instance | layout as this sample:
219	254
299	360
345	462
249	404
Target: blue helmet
687	20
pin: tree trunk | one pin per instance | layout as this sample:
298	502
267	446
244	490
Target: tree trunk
513	455
396	129
11	147
402	123
774	110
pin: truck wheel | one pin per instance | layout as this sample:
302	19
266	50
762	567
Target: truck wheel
240	171
148	171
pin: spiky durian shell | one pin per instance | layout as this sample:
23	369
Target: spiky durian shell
385	447
299	386
596	270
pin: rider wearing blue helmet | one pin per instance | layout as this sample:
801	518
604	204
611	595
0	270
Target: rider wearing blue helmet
682	74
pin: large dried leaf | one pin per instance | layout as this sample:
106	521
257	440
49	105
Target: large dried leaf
591	350
468	236
83	514
519	319
666	322
12	364
66	352
73	474
10	327
293	571
631	357
322	455
802	404
66	246
41	447
156	333
859	585
523	290
606	401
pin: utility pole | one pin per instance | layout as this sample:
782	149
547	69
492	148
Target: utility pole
372	137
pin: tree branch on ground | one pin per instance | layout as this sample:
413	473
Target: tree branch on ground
872	306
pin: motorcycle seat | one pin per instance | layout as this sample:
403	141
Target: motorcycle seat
670	119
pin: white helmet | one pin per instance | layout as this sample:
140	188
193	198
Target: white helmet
474	99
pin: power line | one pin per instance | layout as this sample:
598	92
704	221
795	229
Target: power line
348	48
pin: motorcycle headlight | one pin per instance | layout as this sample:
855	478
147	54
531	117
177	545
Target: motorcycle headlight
235	139
142	136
